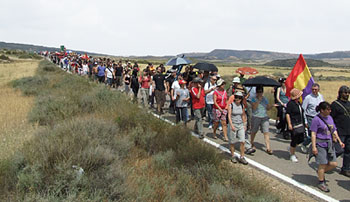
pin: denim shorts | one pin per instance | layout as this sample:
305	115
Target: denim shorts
262	123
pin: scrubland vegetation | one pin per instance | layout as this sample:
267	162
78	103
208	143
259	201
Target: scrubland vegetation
93	144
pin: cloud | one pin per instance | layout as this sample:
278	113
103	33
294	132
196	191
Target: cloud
156	27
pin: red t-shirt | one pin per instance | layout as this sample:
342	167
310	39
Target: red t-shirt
221	98
197	103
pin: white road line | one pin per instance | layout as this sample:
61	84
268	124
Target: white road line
262	167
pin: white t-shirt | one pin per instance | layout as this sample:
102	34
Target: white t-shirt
109	71
209	98
85	68
175	86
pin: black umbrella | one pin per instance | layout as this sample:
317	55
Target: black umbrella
261	81
206	67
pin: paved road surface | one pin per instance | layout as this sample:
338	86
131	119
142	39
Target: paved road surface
302	171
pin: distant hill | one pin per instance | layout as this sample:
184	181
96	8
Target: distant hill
36	48
222	55
291	63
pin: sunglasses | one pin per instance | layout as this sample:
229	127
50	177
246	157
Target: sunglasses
238	97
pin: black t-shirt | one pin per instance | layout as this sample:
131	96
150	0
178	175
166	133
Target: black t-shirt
90	68
340	117
293	109
118	71
159	80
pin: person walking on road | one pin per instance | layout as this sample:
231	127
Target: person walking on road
309	105
159	89
145	80
209	89
295	121
260	106
341	115
182	97
198	104
220	111
236	119
282	101
323	135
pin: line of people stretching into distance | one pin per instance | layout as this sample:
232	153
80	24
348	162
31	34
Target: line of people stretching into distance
237	111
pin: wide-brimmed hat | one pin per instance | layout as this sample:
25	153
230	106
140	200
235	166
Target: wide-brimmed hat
295	93
197	80
220	82
236	80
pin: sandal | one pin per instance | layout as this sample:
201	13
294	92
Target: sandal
269	151
215	137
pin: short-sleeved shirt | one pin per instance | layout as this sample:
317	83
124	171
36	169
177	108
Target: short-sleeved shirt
184	93
221	98
340	117
236	114
159	80
109	72
252	92
175	86
321	129
209	97
261	110
119	70
295	112
101	70
197	103
310	103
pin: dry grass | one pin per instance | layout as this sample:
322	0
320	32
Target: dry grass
14	127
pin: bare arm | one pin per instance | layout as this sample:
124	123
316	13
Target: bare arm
313	141
289	122
229	118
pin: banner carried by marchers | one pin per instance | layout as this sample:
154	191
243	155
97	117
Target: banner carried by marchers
300	78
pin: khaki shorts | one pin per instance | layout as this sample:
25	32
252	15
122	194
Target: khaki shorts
262	123
239	133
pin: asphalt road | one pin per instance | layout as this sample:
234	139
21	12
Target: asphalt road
302	171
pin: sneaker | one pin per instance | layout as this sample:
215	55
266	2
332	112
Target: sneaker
323	187
294	159
210	127
220	128
304	149
250	151
233	160
243	161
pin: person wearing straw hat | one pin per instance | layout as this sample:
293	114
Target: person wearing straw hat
296	122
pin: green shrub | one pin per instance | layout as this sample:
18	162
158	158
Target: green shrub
31	85
4	57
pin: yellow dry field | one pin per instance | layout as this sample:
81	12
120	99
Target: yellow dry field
14	108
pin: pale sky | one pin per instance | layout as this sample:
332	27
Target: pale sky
156	27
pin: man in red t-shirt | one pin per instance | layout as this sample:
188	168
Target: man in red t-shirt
198	104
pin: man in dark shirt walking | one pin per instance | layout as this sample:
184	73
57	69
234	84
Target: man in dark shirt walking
118	74
341	116
159	82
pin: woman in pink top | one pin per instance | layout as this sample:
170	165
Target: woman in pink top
145	80
220	111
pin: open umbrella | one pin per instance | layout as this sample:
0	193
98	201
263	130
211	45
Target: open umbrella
178	61
205	67
261	81
247	71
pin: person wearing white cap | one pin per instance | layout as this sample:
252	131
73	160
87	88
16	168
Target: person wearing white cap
220	111
236	119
